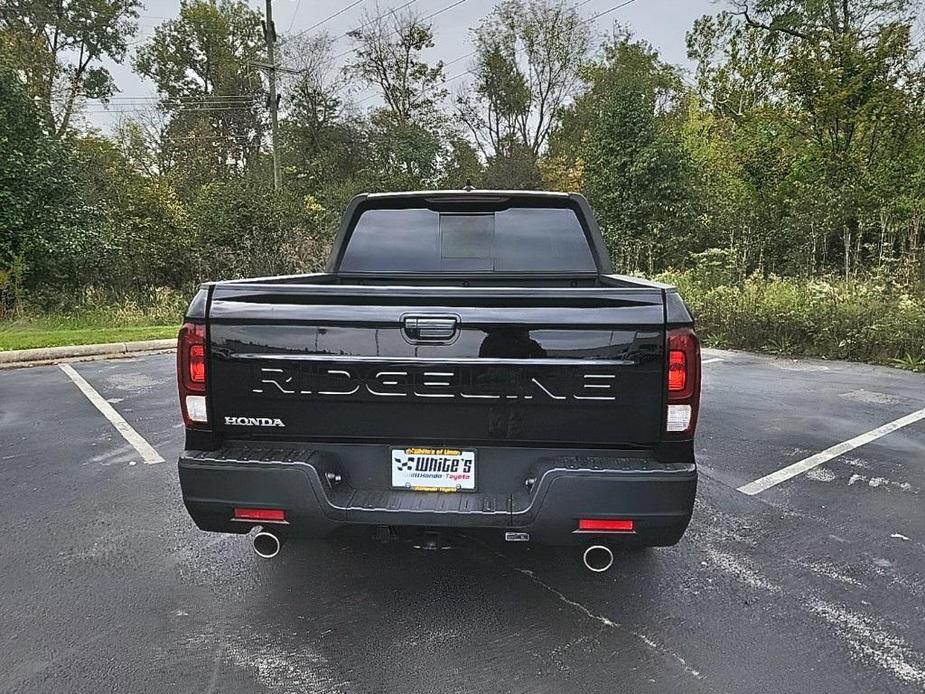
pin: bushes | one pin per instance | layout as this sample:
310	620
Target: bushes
49	236
242	229
145	239
862	320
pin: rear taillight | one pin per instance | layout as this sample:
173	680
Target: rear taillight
191	374
683	382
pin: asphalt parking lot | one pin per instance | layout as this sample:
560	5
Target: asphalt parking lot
815	583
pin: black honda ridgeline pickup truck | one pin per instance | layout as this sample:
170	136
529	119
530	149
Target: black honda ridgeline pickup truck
468	360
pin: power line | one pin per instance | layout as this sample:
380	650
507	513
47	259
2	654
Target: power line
323	21
584	21
215	99
612	9
139	109
444	9
462	57
372	20
295	14
149	104
205	97
366	23
456	77
340	12
471	53
181	102
423	19
170	108
208	137
446	81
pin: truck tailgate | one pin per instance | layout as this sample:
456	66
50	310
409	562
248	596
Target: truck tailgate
438	365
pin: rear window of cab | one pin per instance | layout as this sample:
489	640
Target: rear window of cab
425	240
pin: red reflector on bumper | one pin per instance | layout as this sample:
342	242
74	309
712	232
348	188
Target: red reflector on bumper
619	525
260	514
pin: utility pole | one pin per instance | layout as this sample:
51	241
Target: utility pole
270	35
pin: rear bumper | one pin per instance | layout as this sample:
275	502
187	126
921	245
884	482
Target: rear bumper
538	491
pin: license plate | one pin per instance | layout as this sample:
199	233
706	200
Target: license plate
433	469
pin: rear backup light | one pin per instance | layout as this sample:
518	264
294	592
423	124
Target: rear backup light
196	408
264	515
191	374
682	380
611	525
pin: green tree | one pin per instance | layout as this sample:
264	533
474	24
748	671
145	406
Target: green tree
49	235
144	225
528	57
204	66
403	156
389	50
621	142
823	102
323	142
737	70
407	135
60	47
637	171
624	62
516	169
462	164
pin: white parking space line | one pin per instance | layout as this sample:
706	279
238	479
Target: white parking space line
828	454
710	361
145	450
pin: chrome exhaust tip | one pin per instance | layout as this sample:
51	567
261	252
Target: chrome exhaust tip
267	543
597	558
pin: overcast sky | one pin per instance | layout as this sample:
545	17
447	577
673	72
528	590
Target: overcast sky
663	23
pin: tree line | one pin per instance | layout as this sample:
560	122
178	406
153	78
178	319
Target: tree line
796	147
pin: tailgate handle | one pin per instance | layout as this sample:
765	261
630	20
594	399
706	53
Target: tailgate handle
429	329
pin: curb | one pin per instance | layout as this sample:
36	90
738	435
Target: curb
50	355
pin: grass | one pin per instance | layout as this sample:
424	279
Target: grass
97	320
13	336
